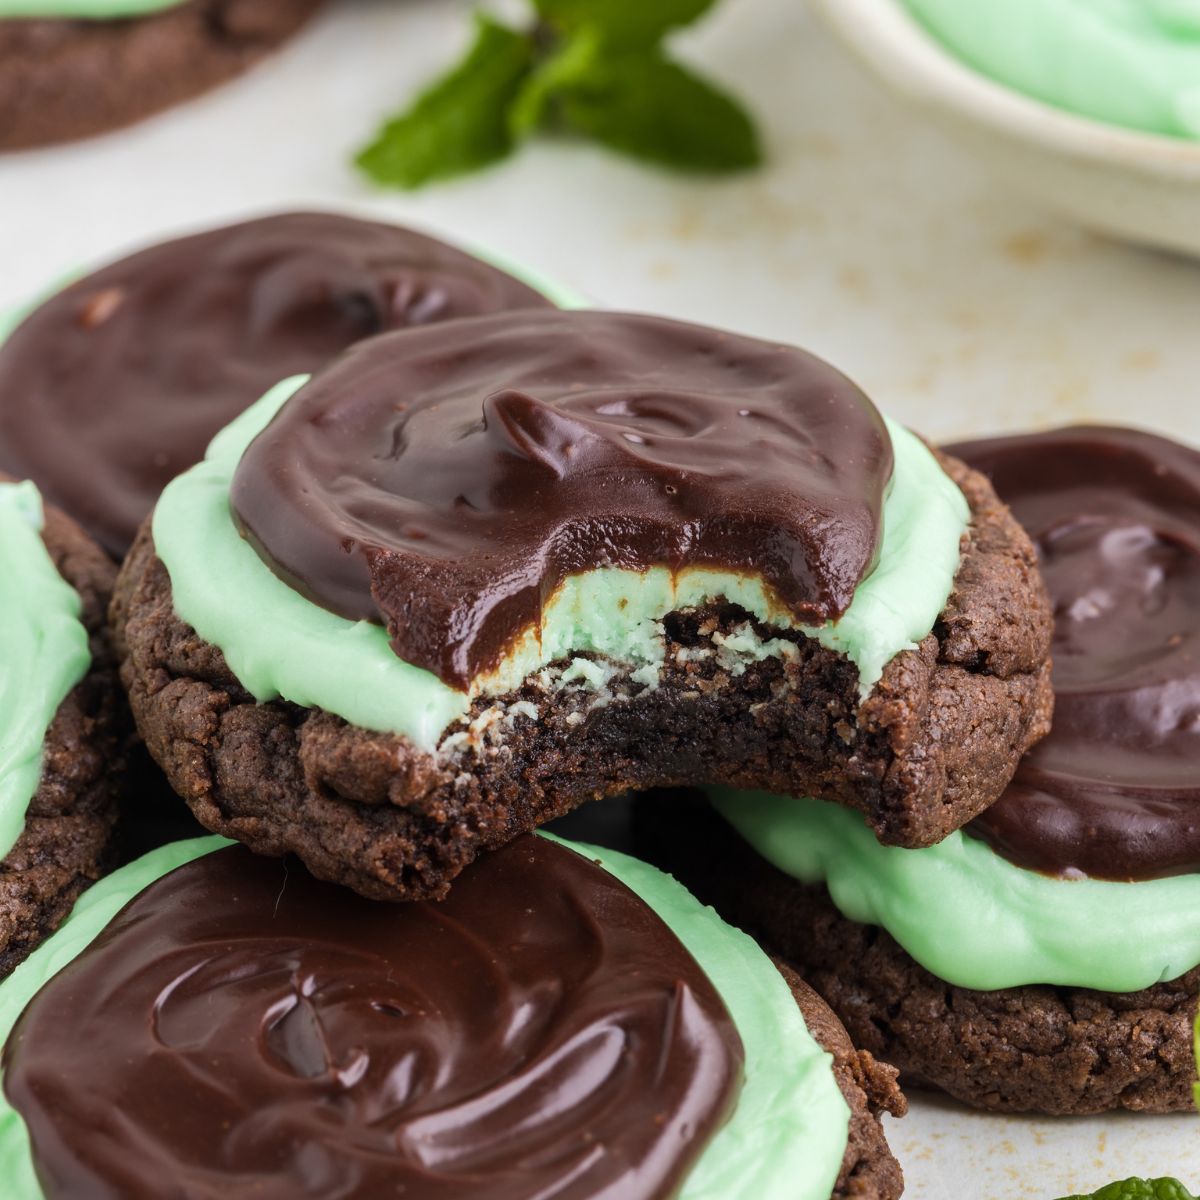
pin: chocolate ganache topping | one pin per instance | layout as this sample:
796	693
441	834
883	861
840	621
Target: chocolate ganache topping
116	385
444	481
1114	791
243	1030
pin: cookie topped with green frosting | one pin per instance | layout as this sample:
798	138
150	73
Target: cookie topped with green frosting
1069	903
569	1020
474	575
116	384
61	718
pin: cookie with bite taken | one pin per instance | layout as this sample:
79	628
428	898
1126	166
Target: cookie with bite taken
473	575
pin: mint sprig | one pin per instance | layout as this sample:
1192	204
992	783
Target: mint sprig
1140	1189
591	68
461	122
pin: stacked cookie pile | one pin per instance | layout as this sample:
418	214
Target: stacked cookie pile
496	559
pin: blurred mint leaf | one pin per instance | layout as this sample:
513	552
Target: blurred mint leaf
461	122
534	106
648	106
589	67
1140	1189
630	23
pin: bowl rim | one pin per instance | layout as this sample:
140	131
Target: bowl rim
896	46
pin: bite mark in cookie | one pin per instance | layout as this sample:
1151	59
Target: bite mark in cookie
447	489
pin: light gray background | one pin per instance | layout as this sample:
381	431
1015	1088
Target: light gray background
959	307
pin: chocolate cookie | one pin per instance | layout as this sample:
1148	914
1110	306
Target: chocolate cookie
1056	1050
1045	958
62	79
565	1022
869	1170
712	691
65	832
1113	792
117	383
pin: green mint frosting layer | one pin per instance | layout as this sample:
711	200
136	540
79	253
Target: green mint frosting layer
89	10
1133	63
970	916
785	1140
280	644
43	652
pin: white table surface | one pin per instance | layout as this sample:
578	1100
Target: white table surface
959	307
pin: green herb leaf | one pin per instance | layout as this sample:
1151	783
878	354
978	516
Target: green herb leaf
461	122
628	23
645	105
573	61
1140	1189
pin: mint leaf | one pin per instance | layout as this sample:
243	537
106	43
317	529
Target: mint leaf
592	67
632	23
1140	1189
645	105
574	60
461	122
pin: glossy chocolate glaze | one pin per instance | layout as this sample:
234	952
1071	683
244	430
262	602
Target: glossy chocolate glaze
1114	791
444	481
116	385
245	1031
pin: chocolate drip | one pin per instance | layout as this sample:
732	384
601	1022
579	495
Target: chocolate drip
1114	791
117	384
444	481
244	1031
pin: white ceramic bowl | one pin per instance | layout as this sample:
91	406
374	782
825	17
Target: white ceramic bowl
1135	185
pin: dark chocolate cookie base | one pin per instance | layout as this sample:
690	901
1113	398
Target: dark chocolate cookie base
935	743
64	79
1053	1050
68	839
869	1169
